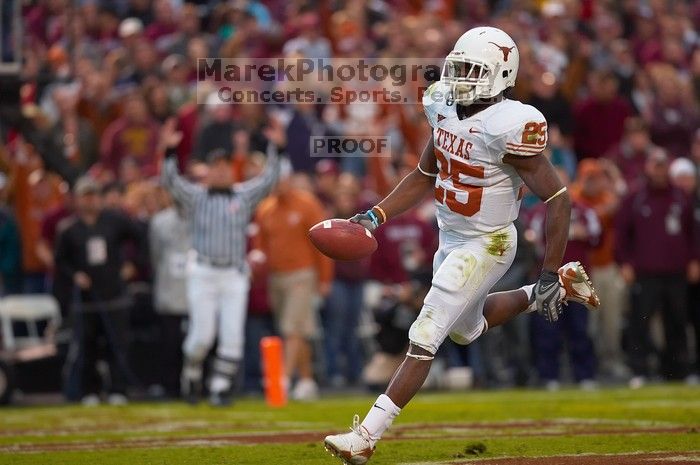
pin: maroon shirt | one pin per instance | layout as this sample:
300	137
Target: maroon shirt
577	250
599	126
123	139
654	231
393	238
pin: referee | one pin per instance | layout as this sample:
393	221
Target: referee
217	276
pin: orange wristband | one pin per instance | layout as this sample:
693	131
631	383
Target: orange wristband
381	212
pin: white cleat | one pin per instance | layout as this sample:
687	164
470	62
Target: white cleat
578	287
353	448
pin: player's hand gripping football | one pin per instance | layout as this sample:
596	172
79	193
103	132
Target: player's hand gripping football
368	219
547	296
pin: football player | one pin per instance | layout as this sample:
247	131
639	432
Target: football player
483	148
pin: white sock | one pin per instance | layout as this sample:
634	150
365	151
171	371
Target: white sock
380	417
529	289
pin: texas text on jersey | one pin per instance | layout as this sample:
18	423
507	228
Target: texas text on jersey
475	192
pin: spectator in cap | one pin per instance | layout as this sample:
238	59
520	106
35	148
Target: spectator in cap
657	213
132	40
88	253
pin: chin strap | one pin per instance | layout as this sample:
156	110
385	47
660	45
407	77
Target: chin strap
419	357
450	99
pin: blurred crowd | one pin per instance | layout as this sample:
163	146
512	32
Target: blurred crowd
618	81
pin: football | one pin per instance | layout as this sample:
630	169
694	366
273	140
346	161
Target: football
341	239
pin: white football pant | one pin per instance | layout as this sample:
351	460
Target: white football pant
464	271
218	300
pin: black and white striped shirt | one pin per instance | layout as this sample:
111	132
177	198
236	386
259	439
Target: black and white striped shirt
218	219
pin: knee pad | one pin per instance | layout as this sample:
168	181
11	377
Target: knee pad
461	339
425	332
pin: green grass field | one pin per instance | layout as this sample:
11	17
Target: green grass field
435	428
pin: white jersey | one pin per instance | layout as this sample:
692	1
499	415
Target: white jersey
475	192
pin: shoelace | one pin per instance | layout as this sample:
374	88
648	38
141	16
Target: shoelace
359	430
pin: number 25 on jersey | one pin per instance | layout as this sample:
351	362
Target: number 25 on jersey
453	169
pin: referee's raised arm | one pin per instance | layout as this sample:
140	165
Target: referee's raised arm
256	189
182	190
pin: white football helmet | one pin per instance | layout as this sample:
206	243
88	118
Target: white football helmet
483	64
